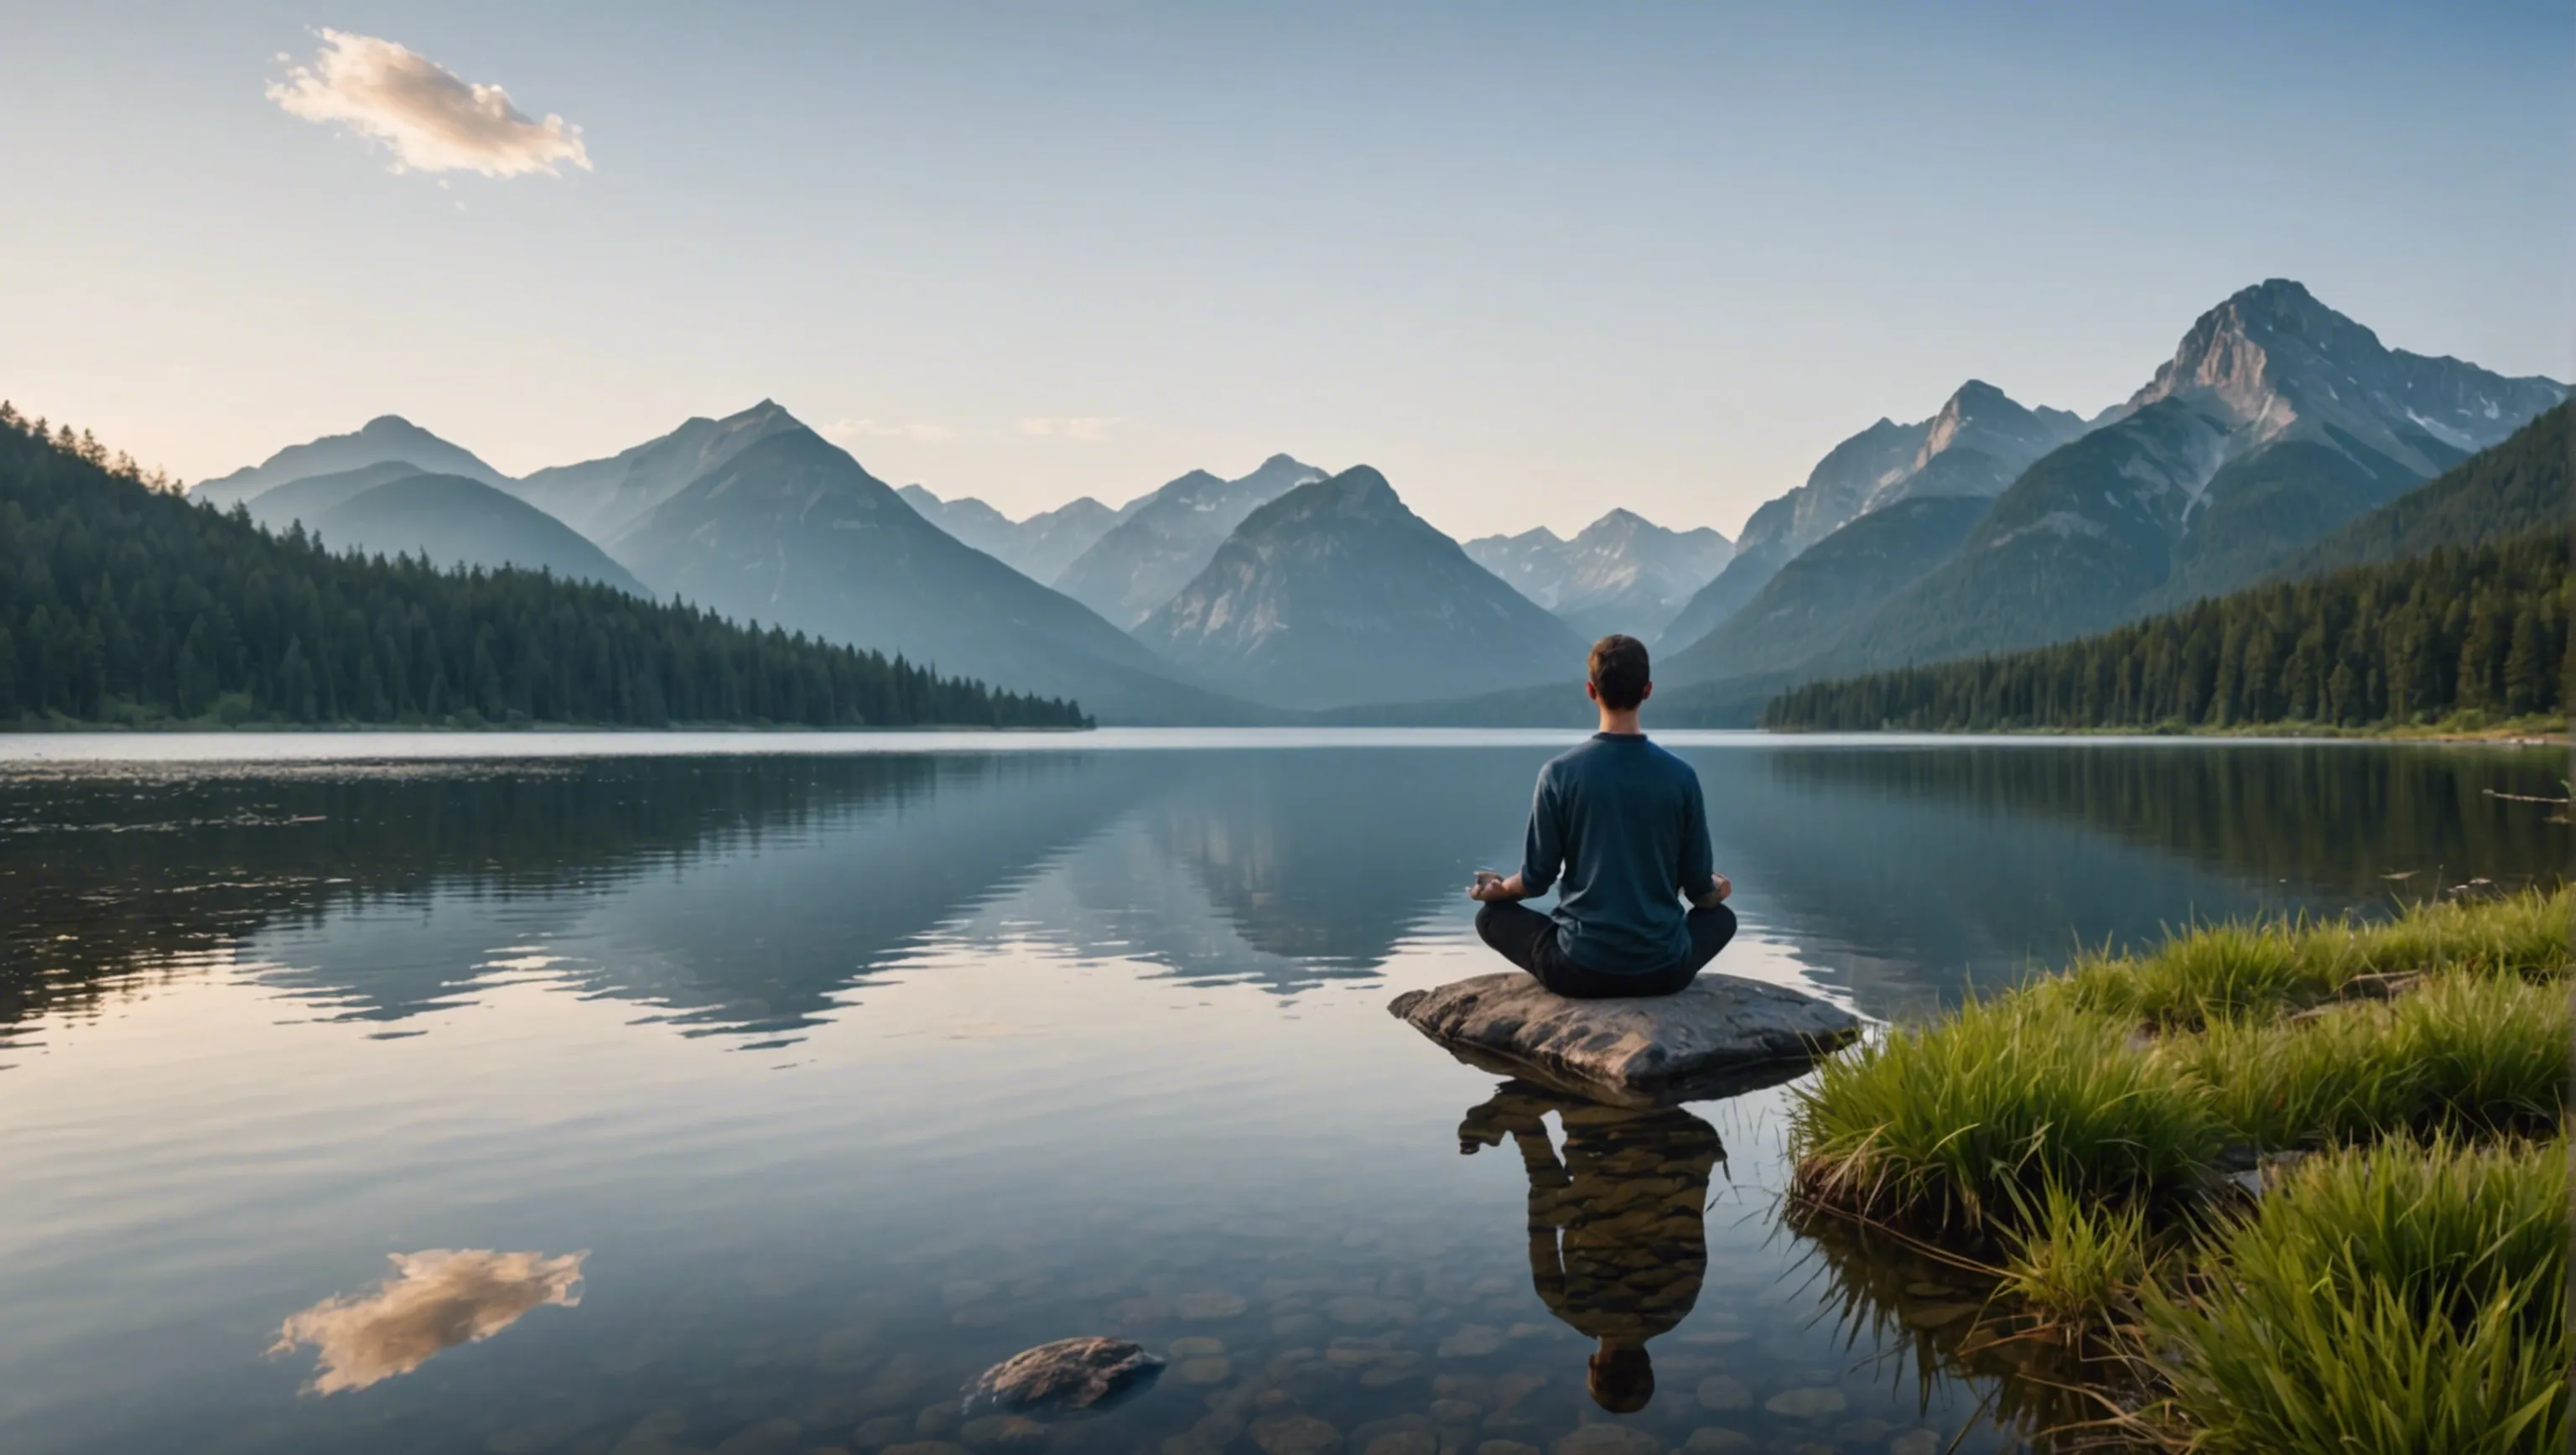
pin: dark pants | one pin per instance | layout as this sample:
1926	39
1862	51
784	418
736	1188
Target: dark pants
1527	938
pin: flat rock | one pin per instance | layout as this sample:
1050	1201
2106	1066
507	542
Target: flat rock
1720	1036
1063	1377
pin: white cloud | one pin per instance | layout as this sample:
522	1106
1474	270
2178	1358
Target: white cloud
1090	429
438	1298
877	429
430	118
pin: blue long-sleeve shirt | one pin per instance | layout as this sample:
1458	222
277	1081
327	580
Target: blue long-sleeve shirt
1625	822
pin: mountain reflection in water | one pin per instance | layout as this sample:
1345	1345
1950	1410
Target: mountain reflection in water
749	894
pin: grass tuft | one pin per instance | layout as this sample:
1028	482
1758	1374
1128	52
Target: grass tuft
2073	1262
1959	1124
2238	971
2406	1296
2468	1053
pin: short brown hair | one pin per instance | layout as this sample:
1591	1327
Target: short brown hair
1619	1378
1620	672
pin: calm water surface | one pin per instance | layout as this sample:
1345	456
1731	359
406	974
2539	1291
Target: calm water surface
748	1094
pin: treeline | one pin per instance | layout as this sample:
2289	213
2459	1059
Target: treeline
122	602
2401	642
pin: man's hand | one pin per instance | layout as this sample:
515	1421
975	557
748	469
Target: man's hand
1719	887
1493	888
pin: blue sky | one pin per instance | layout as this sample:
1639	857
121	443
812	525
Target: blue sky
1531	261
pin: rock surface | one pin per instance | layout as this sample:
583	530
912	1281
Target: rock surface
1720	1036
1062	1377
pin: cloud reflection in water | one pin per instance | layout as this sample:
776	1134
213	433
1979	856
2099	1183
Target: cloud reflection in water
437	1299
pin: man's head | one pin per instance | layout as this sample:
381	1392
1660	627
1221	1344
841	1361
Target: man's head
1620	1378
1619	676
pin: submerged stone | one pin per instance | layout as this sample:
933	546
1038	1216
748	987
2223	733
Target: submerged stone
1720	1036
1063	1377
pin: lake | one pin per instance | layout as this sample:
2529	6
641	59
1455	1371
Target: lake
750	1093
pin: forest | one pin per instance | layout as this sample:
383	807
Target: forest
2480	632
123	603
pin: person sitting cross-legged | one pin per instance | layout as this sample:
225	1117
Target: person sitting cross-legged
1618	828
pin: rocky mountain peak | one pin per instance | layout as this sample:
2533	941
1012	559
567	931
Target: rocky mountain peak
2271	361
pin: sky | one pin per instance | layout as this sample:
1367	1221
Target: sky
1531	261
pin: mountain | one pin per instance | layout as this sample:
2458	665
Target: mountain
459	522
602	498
1834	584
217	620
1621	573
1336	594
1169	537
1978	442
790	531
385	438
1974	445
1039	547
2519	486
2277	420
304	500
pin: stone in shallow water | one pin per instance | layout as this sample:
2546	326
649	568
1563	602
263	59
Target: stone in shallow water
1806	1404
1719	1036
1004	1432
1915	1442
1724	1392
1608	1440
1471	1341
1293	1434
1062	1377
1716	1440
1211	1304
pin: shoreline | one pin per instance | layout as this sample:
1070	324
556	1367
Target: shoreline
2517	734
2097	1155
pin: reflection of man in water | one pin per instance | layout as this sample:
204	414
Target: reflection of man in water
1616	1243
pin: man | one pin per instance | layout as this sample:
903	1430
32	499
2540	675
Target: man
1621	822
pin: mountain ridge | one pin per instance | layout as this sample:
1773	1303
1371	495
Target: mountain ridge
1621	573
790	530
1169	536
384	439
1337	594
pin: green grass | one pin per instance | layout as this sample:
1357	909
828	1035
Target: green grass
2400	1289
2237	970
2072	1260
1958	1124
2402	1297
2467	1053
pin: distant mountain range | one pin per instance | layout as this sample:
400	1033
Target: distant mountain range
2277	421
384	439
1335	594
1622	573
1167	538
395	509
604	498
1039	547
2262	447
792	531
1973	446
